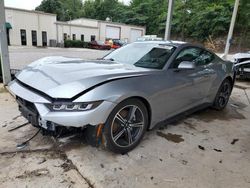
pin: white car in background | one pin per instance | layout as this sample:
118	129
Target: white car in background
242	65
241	57
149	38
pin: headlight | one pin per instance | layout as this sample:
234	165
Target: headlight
67	106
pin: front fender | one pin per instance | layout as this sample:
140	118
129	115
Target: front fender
116	91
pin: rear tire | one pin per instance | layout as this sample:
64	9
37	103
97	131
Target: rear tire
126	126
223	95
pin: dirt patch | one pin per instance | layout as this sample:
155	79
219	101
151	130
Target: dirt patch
35	168
34	173
234	141
217	150
201	147
67	166
72	142
3	90
190	125
171	137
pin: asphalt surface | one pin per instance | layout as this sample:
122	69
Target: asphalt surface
22	56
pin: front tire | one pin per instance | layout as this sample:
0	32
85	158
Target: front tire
223	95
126	126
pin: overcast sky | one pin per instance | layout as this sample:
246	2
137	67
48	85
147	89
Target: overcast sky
31	4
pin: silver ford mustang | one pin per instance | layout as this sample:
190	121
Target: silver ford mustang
131	90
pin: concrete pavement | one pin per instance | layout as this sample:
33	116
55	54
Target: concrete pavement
206	149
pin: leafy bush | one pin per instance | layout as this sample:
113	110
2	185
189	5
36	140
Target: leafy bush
75	44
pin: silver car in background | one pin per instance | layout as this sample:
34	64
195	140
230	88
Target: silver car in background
131	90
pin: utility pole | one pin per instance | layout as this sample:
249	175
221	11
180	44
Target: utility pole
231	29
4	52
169	19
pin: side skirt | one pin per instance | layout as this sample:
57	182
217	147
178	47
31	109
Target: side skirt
181	116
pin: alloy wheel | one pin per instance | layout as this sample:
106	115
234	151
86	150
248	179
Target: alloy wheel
127	126
224	94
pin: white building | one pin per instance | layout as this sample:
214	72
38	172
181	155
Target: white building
35	28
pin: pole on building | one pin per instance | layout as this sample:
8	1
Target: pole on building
231	29
4	52
169	19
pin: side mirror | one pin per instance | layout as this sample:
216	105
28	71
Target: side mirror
186	65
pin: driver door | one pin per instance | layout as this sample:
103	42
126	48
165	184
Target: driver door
186	88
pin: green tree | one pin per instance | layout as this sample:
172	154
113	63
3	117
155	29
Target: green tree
197	19
243	24
149	13
65	9
101	9
51	6
201	19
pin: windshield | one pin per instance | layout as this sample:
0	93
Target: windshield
147	55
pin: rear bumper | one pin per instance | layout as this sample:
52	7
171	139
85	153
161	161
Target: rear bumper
95	116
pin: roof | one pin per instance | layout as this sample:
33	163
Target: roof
110	22
30	11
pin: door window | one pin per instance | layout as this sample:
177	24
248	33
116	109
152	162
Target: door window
188	54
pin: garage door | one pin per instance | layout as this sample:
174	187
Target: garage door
135	34
113	32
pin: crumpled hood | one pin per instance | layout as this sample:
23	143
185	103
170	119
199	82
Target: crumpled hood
61	77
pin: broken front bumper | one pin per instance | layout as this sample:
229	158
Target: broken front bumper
33	108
